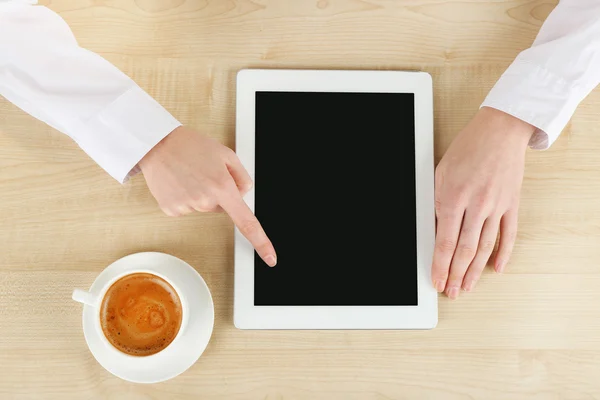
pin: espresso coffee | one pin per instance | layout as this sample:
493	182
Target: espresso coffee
141	314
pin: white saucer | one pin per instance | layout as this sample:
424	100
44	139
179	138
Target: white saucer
184	351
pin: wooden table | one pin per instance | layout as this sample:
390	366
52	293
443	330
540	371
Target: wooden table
532	333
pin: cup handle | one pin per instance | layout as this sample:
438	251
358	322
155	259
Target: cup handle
84	297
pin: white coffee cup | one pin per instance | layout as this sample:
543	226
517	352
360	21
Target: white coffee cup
194	332
95	301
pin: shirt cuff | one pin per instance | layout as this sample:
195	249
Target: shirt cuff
119	136
537	96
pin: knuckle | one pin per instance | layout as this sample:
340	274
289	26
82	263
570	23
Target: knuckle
511	236
439	268
170	212
183	210
451	202
203	203
446	245
488	190
438	204
263	248
483	211
249	227
440	274
466	230
466	250
487	246
220	186
455	281
480	203
455	278
439	173
455	198
449	210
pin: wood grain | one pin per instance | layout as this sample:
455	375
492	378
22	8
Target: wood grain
532	333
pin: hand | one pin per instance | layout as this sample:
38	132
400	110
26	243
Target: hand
477	188
187	171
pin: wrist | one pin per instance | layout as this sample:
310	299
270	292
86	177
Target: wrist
155	153
507	125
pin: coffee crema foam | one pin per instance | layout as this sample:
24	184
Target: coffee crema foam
140	314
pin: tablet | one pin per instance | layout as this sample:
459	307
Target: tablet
342	163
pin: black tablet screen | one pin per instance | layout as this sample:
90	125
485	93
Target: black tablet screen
335	192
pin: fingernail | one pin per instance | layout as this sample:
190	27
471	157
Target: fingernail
499	266
453	293
271	260
469	286
439	286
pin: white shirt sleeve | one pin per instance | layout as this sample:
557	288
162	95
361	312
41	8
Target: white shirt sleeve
45	72
546	83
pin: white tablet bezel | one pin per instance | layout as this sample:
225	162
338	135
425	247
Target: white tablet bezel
423	316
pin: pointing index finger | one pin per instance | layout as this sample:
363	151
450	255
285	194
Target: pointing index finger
246	222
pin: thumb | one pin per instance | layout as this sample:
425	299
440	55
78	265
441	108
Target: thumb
239	174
